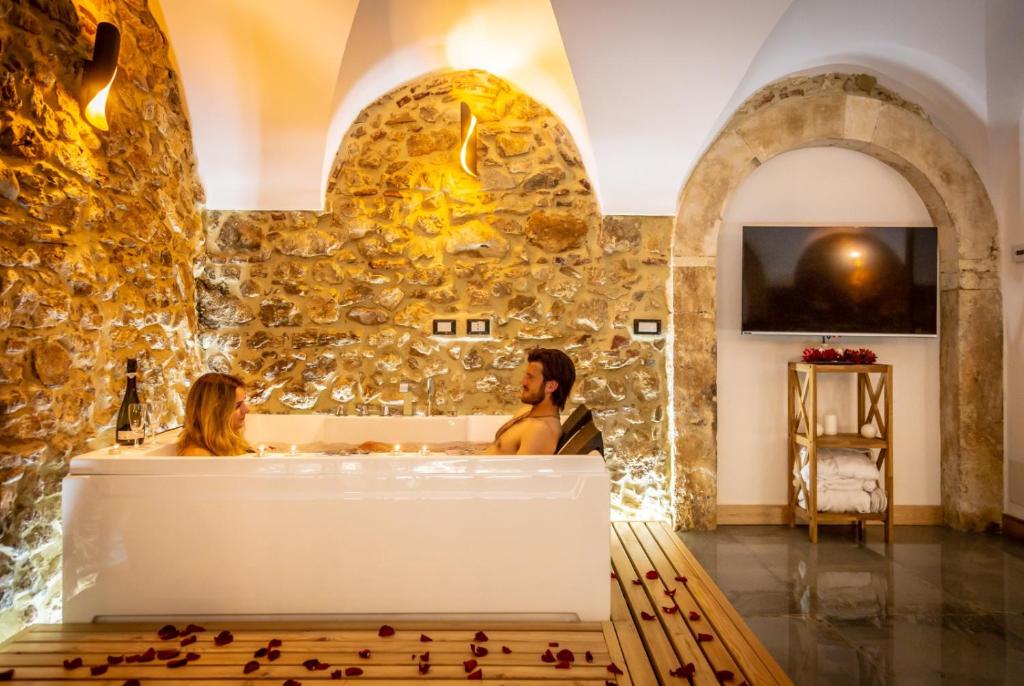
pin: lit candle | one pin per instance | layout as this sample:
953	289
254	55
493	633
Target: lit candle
398	449
424	450
263	449
294	450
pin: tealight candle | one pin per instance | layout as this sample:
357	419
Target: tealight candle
294	450
398	449
424	450
262	449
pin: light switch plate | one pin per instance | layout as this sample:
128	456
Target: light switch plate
444	327
478	327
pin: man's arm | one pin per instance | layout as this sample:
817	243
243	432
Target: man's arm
536	440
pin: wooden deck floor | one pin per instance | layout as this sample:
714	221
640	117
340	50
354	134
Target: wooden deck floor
666	614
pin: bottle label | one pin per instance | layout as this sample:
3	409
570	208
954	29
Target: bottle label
128	435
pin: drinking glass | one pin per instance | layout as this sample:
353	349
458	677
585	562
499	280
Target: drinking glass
137	420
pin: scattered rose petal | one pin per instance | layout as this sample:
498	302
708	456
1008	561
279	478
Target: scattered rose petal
548	656
167	632
651	575
480	637
167	654
613	668
261	652
132	682
364	653
611	683
194	629
477	675
98	670
682	579
274	643
479	651
273	654
670	610
311	664
73	664
565	655
148	656
694	616
425	657
250	667
563	665
292	682
336	674
724	675
670	593
637	582
174	664
7	675
425	639
646	615
353	671
469	665
115	659
704	637
506	650
589	656
553	644
223	638
614	575
424	667
385	631
189	640
685	672
131	658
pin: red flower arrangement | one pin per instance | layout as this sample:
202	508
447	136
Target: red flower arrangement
833	356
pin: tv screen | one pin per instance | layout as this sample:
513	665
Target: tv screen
840	280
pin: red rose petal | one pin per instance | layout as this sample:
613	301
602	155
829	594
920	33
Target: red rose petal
353	671
323	666
194	629
563	665
115	659
589	656
637	582
477	675
148	656
553	644
7	675
250	667
610	683
469	665
386	631
425	639
724	675
292	682
565	655
694	616
132	682
685	672
670	610
506	650
223	638
189	640
480	637
274	643
336	674
651	575
260	652
273	654
423	667
670	593
479	651
682	579
167	632
548	656
167	654
646	615
425	657
704	637
98	670
174	664
614	575
73	664
613	668
311	663
131	658
364	653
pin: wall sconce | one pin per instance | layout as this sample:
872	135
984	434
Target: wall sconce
98	75
467	154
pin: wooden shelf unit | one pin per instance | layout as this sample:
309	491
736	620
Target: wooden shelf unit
874	405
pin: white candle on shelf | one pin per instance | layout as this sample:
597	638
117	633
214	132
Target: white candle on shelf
294	450
831	425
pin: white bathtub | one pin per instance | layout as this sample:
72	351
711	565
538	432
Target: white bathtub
151	535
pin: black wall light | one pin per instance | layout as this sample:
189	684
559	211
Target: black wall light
98	75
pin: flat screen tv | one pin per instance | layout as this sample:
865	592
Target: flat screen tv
823	280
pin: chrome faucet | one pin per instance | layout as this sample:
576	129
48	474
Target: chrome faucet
430	396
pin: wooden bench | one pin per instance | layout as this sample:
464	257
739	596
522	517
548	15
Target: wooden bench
646	651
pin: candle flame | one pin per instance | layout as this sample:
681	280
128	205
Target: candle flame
96	109
467	155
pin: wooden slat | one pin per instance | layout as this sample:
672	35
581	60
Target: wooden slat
638	665
718	607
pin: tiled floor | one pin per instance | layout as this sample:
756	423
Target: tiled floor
938	607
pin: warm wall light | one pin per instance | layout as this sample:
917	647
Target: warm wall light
467	153
98	76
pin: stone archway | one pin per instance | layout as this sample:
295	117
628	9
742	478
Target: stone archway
854	112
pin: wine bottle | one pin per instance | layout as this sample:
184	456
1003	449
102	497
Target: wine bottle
125	435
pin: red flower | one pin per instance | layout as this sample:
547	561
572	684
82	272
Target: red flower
704	637
189	640
479	651
548	656
477	675
424	668
613	668
694	616
646	615
386	631
250	667
353	671
589	656
73	664
565	655
364	653
425	639
469	665
651	575
98	670
480	637
506	650
724	675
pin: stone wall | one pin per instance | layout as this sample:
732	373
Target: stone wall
325	312
98	235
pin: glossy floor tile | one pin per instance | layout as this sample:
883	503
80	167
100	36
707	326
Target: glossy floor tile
936	607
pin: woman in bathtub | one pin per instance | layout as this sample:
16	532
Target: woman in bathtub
215	417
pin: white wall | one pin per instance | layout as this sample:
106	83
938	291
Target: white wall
816	186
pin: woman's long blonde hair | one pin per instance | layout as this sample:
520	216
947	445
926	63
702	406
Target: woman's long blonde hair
208	410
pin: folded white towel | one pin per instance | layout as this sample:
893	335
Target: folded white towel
834	462
848	501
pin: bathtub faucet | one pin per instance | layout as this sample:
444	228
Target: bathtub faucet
430	396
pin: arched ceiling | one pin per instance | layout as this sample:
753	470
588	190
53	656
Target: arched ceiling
643	86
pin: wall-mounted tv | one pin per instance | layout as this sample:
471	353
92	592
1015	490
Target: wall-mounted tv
824	280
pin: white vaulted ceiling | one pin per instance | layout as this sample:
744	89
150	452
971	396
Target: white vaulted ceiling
643	86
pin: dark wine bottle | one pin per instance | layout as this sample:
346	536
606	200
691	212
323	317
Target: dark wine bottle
125	435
